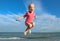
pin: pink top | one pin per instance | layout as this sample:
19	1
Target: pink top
29	17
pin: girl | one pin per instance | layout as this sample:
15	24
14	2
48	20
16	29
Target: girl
30	15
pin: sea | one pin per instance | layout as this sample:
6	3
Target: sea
35	36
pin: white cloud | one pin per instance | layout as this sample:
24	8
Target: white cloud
8	22
47	23
44	23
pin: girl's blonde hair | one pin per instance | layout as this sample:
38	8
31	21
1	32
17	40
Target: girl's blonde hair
30	5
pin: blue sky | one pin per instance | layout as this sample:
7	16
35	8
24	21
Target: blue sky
47	11
11	5
52	6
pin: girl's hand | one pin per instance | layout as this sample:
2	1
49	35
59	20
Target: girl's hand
16	20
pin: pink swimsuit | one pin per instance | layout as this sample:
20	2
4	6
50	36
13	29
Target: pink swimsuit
29	17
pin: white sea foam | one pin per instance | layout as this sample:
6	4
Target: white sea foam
12	38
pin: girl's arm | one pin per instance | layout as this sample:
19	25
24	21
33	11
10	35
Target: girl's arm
20	18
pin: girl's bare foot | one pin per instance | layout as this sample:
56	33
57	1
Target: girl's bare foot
25	33
30	31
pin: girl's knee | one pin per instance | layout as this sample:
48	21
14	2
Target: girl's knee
30	25
33	24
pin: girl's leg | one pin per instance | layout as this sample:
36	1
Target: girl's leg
29	26
33	24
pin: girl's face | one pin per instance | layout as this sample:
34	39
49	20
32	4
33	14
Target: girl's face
31	7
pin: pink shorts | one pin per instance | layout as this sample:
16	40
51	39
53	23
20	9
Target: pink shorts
27	23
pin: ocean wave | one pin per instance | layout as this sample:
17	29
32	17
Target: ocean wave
12	38
15	38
